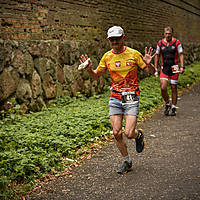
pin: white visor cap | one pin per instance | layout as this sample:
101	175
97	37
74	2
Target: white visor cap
115	31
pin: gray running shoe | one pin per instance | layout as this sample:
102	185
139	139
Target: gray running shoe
126	167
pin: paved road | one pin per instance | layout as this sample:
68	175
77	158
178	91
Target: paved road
169	168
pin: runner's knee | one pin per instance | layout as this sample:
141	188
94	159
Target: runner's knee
163	88
117	134
130	134
174	87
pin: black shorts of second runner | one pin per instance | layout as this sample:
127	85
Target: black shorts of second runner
116	107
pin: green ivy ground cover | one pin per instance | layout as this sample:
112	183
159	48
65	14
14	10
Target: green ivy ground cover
35	144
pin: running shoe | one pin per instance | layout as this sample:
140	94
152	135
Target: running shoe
126	167
167	109
140	143
173	111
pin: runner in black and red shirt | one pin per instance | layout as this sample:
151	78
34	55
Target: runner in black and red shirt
169	49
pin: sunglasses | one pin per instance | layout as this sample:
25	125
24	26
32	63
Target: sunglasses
115	38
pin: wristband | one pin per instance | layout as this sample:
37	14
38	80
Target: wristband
182	67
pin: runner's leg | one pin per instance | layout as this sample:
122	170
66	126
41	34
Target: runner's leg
131	132
174	81
164	93
116	122
174	94
130	126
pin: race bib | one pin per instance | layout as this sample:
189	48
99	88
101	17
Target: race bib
175	69
129	97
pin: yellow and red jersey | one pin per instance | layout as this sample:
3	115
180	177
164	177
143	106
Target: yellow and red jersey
123	70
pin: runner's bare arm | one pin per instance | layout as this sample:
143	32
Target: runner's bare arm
156	61
181	58
150	68
94	73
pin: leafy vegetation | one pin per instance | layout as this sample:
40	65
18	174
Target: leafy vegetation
35	144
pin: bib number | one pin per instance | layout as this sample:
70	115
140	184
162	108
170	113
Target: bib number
129	97
175	69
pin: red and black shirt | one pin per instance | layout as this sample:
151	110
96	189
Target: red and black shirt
169	54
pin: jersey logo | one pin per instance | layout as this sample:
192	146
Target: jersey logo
117	64
128	63
173	47
162	48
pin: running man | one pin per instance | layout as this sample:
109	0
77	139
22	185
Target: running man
122	63
169	49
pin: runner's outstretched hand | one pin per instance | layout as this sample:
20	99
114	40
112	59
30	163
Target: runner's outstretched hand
156	74
181	70
83	59
147	58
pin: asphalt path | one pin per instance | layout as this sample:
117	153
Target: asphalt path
169	167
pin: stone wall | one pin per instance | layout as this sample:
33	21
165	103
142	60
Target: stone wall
41	42
35	72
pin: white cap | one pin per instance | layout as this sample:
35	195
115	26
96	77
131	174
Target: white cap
115	31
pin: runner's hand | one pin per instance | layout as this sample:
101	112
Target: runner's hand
181	70
147	58
156	74
83	59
